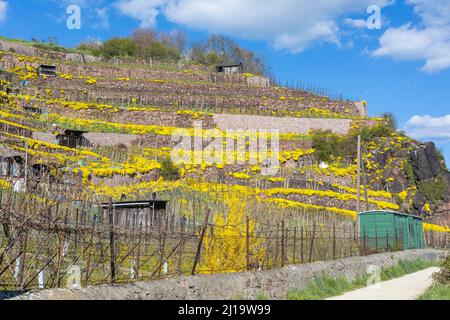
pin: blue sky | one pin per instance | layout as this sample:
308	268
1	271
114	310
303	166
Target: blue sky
403	68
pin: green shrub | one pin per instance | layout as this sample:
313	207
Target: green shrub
168	170
443	276
437	292
161	52
119	47
434	189
409	172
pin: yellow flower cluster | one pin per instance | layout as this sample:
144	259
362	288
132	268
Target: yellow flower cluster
371	193
284	203
435	228
137	165
328	193
91	81
4	184
65	76
158	81
239	175
194	114
225	250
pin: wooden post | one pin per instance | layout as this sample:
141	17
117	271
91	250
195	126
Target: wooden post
91	245
200	242
276	246
334	241
59	261
180	257
295	245
138	257
22	261
301	245
247	243
432	239
312	242
445	241
111	242
282	243
364	176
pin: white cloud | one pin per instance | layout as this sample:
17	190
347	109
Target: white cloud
356	23
103	18
3	9
291	25
430	42
145	11
428	127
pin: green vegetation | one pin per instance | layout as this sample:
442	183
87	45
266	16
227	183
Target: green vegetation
261	296
409	172
168	170
441	158
443	276
219	49
437	292
162	47
434	189
329	145
119	47
325	286
441	287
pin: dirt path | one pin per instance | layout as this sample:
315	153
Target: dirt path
408	287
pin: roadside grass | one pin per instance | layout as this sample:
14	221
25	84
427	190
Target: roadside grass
258	296
261	296
325	286
440	290
437	292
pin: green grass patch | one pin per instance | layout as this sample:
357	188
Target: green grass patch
437	292
325	286
261	296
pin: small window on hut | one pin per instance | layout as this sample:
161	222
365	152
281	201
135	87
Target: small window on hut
15	168
3	166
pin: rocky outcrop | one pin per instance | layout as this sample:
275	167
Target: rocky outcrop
425	162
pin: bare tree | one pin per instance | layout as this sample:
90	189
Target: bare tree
143	38
178	39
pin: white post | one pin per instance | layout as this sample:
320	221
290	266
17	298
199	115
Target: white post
41	279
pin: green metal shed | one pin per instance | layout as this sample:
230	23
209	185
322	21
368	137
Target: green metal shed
389	230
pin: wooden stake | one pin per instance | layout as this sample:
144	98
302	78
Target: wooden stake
200	243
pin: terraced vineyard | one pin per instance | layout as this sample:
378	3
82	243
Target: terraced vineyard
238	217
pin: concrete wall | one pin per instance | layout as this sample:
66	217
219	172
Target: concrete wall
273	283
285	125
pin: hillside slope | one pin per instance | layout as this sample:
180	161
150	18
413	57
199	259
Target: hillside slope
128	112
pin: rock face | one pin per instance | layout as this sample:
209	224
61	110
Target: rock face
427	165
425	162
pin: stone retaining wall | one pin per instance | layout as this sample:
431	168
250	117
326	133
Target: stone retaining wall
275	284
285	125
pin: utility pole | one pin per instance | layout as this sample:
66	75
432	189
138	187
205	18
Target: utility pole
358	177
364	177
358	183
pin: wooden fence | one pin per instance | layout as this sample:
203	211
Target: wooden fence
48	244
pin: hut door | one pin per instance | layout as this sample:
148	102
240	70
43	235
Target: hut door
412	234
